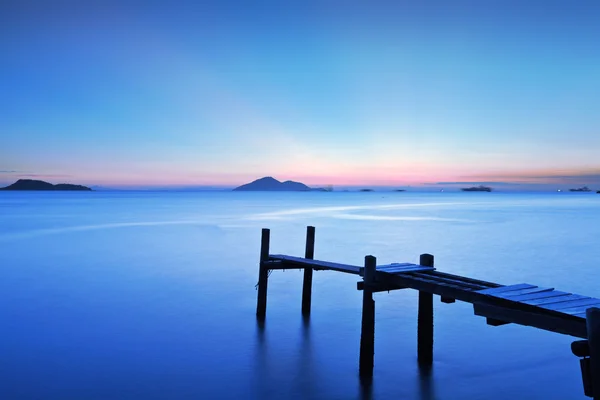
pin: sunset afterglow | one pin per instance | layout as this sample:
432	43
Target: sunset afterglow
320	93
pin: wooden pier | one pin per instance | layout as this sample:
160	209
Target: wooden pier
522	303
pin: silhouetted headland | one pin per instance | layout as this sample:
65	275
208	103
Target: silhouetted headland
269	184
32	184
477	189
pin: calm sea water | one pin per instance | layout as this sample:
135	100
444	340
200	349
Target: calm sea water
152	295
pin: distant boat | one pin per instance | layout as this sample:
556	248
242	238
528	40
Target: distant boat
480	188
581	189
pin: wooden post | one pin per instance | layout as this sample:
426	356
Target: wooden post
367	333
309	252
425	320
593	333
263	275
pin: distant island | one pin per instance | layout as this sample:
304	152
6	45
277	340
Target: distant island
477	189
270	184
31	184
581	189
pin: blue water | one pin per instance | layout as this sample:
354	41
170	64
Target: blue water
152	295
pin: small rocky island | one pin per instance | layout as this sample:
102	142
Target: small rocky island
581	189
480	188
270	184
32	184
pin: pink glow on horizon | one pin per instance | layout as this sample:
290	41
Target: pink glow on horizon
374	176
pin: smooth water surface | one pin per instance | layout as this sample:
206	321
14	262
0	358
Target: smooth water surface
127	295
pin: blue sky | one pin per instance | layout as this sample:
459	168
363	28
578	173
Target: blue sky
328	92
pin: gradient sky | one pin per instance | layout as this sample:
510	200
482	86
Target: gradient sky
325	92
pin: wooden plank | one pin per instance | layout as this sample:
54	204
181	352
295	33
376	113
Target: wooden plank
415	278
522	306
393	265
579	315
416	268
419	283
436	282
580	309
502	289
401	266
514	293
405	269
551	323
303	262
569	304
557	299
487	285
466	285
540	295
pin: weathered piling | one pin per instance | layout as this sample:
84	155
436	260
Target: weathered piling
309	253
263	275
425	320
367	333
593	331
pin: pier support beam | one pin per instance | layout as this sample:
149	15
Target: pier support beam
593	332
309	253
263	275
425	320
367	333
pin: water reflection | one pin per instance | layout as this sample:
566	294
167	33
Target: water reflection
366	388
262	361
305	380
426	383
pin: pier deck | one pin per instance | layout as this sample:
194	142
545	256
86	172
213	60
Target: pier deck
523	303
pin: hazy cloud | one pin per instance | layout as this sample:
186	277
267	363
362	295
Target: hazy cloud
587	177
568	178
26	174
44	176
476	183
